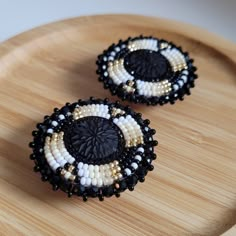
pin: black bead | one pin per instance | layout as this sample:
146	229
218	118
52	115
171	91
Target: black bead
67	165
58	170
131	188
32	156
154	156
34	133
85	198
31	144
55	187
146	122
36	168
141	179
101	197
152	131
151	167
154	143
44	178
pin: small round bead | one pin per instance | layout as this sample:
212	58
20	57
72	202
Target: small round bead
94	181
140	149
80	165
88	181
134	165
96	168
128	171
99	182
83	181
85	166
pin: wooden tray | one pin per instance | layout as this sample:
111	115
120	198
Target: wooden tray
192	190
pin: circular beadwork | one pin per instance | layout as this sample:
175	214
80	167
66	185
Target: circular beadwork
93	148
146	70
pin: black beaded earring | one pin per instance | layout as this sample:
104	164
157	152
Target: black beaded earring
93	148
146	70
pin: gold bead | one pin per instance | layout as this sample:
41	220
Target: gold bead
115	177
118	169
119	175
71	168
113	171
72	177
116	162
48	139
63	172
111	165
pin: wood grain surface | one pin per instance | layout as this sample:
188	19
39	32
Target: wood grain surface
192	190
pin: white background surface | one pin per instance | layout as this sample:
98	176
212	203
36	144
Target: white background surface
217	16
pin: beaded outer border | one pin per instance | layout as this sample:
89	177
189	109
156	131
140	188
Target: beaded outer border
120	82
61	169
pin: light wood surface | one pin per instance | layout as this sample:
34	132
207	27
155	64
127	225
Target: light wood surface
192	190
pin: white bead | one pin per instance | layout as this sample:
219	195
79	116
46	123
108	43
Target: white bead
99	182
96	168
117	49
62	163
91	174
54	123
81	172
134	165
50	158
175	87
83	181
91	167
80	165
71	160
88	181
108	173
105	181
181	83
97	175
138	157
94	181
55	166
86	173
61	117
50	131
140	149
110	181
128	171
184	78
85	166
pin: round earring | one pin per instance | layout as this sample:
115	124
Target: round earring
93	148
146	70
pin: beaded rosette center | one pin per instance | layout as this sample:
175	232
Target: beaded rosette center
93	148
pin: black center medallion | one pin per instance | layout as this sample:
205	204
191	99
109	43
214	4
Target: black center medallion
94	140
148	65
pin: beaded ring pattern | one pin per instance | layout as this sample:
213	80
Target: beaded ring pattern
146	70
93	148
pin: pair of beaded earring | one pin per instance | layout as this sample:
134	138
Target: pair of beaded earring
97	148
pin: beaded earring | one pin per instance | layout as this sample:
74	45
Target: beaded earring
146	70
93	148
